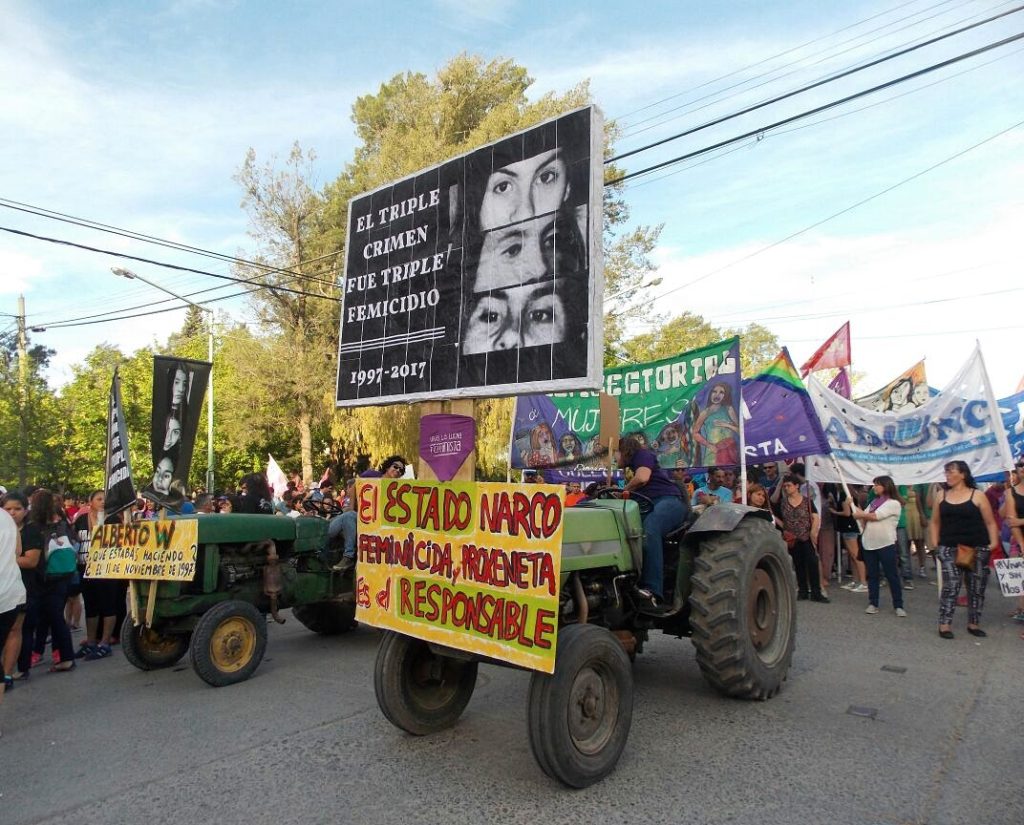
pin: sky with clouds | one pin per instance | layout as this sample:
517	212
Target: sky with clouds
900	211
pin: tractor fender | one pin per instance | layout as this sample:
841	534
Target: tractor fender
723	518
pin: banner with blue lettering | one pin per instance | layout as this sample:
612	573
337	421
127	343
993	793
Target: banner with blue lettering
1012	410
959	424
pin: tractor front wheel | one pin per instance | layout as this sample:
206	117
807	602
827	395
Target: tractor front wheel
228	643
146	649
418	690
743	610
579	716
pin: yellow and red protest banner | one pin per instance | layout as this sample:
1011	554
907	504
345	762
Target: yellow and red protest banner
164	550
468	565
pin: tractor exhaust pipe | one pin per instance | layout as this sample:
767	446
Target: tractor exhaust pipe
272	582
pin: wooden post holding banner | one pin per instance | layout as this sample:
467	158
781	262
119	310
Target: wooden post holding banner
459	406
133	603
609	431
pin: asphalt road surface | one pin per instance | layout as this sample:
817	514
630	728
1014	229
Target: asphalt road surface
304	742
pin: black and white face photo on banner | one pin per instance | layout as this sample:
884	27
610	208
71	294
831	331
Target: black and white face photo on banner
178	389
488	278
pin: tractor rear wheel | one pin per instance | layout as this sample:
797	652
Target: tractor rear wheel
743	610
418	690
579	716
228	643
326	618
146	649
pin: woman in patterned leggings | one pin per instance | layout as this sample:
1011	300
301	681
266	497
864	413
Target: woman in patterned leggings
962	516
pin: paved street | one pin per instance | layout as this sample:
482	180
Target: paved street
303	740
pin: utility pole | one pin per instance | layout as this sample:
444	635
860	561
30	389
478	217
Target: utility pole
22	395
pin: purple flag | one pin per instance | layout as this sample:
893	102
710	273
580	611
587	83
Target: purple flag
782	422
840	385
445	442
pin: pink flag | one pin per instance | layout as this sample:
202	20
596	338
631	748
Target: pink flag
835	352
276	478
841	383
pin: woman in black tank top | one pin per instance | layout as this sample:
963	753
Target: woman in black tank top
962	516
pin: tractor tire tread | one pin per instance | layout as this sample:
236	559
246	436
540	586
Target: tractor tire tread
723	570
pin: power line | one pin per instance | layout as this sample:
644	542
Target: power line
666	116
819	109
120	231
843	211
706	150
817	84
774	57
126	256
75	322
824	120
139	236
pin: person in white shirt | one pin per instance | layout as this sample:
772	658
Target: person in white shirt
879	540
12	590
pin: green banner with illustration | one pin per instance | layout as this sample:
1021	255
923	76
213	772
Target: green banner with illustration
685	407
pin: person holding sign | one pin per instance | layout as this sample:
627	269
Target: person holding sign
667	513
962	526
1013	517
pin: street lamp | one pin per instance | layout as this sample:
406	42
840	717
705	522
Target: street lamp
124	273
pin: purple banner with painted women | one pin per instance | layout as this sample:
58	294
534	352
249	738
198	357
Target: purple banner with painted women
445	442
779	418
685	408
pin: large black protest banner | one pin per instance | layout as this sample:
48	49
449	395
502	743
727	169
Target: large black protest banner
178	389
119	489
480	276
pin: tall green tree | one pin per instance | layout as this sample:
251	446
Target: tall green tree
295	374
758	345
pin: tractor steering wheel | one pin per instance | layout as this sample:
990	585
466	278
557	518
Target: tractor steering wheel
645	504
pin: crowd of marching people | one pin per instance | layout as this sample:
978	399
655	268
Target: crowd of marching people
882	536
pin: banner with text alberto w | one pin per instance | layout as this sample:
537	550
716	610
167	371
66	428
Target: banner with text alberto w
961	423
686	407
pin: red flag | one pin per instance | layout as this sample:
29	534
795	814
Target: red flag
841	383
835	352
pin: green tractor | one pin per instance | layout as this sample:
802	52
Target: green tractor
247	566
733	594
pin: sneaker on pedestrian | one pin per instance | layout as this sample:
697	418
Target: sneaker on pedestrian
100	651
901	612
860	587
36	659
922	573
84	649
849	585
871	610
908	584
